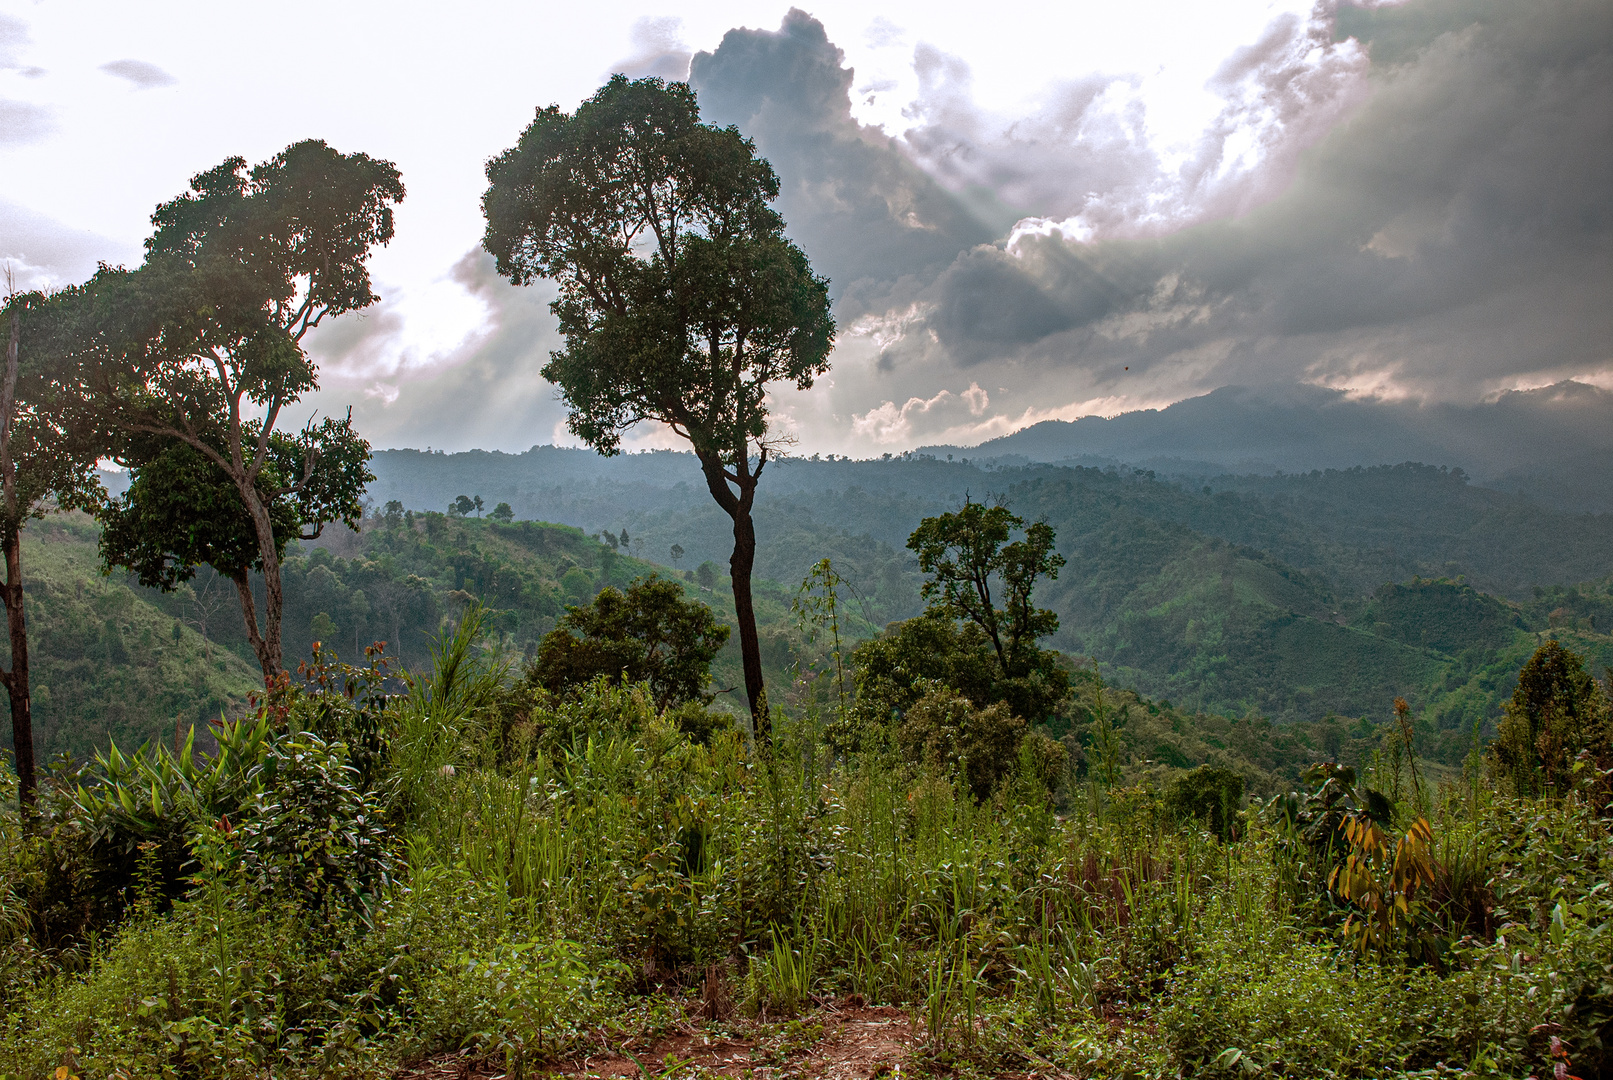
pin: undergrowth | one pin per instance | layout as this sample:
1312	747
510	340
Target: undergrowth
361	877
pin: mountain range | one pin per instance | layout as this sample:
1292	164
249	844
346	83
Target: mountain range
1554	443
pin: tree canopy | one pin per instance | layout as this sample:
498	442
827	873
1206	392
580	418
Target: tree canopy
681	300
192	359
1556	712
967	554
984	580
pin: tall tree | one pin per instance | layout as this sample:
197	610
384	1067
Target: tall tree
681	300
47	461
194	358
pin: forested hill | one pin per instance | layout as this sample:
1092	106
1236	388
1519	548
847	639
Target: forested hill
1355	528
1232	593
1294	597
1174	611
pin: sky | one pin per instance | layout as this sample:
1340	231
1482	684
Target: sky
1026	211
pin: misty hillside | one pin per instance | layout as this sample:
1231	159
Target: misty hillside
1554	443
1355	528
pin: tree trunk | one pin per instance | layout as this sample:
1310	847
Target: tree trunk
254	636
16	680
265	642
750	648
740	564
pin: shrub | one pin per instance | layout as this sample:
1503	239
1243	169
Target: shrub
945	730
522	999
309	834
1556	713
1282	1006
1208	795
649	633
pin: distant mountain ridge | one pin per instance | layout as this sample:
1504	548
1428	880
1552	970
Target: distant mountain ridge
1554	443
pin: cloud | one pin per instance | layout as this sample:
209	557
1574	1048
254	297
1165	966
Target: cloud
13	37
484	392
658	50
1436	225
888	424
1090	159
139	74
44	253
24	122
1409	203
868	218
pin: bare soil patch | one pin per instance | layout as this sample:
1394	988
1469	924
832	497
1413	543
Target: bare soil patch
840	1041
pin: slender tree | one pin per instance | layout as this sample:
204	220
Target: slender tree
47	461
681	300
984	579
194	358
967	554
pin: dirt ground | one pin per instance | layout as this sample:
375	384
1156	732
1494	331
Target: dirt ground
841	1041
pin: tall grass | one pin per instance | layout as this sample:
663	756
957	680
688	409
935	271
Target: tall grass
565	855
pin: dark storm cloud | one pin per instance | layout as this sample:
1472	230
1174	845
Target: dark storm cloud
139	74
989	302
1435	225
1453	233
865	215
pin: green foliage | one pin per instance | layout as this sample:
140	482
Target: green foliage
1557	712
689	330
1445	616
392	584
172	358
539	873
651	633
966	553
1207	796
182	511
521	999
311	834
568	203
945	730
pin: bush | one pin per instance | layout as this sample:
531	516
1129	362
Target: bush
1207	795
1556	713
310	835
1278	1005
945	730
649	634
185	995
